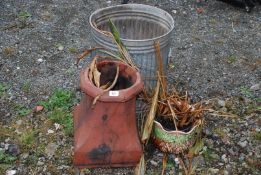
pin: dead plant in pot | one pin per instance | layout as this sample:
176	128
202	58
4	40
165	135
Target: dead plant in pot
105	133
177	127
174	122
101	54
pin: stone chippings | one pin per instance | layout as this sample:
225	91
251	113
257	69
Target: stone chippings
215	55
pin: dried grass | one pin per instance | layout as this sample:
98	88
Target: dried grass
94	74
150	118
171	104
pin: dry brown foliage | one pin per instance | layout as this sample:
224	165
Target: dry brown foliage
171	104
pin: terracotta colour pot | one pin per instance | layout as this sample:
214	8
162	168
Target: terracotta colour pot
106	135
173	141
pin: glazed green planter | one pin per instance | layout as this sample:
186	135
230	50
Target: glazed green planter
173	141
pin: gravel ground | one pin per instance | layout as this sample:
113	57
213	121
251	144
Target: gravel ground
215	55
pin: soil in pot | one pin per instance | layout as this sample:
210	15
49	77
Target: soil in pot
168	125
108	73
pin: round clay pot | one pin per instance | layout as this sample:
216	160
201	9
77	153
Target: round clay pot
173	141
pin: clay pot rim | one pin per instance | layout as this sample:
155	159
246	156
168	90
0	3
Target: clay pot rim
175	132
124	94
138	77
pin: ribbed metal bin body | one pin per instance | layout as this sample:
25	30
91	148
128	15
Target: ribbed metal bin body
139	27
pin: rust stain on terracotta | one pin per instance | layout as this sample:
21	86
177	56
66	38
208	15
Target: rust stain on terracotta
100	153
104	117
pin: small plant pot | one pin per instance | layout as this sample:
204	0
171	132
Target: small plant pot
172	141
105	135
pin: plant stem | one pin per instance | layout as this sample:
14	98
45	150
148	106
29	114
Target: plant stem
109	88
164	163
183	166
174	117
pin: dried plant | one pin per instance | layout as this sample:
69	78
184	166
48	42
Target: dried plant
171	105
94	74
150	118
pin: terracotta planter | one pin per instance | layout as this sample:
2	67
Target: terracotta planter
173	141
106	135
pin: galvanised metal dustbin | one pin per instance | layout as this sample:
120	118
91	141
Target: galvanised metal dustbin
105	135
139	27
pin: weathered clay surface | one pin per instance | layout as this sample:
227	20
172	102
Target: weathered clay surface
105	133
